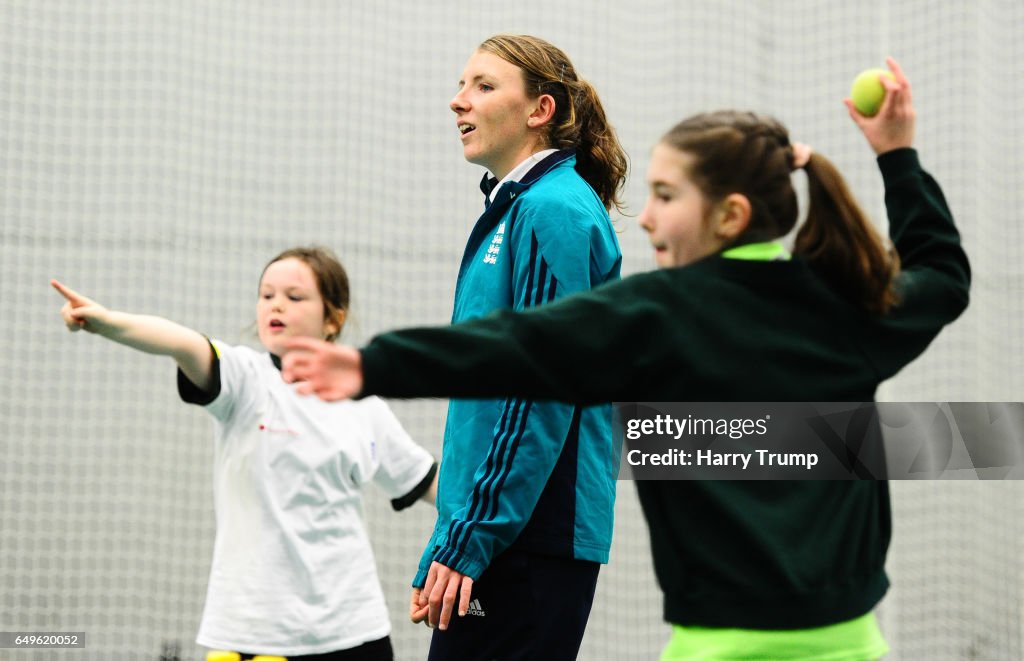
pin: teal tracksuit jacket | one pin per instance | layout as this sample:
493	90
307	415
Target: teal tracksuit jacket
535	476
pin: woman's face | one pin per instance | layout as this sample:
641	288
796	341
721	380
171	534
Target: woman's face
492	114
678	218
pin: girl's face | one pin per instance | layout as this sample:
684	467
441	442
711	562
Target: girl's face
679	220
492	114
290	305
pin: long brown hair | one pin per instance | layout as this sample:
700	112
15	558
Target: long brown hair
580	122
331	280
750	154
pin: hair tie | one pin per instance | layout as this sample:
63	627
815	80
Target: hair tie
801	154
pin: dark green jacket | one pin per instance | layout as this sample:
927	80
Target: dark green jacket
736	554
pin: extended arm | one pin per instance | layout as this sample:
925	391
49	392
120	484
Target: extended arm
540	353
921	224
145	333
934	283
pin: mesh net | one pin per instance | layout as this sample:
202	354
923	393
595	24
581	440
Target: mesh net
155	155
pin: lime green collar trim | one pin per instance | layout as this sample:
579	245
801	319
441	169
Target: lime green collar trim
759	252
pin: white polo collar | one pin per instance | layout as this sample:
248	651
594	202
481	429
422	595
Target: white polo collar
519	171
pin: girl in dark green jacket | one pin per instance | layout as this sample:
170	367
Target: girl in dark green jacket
749	569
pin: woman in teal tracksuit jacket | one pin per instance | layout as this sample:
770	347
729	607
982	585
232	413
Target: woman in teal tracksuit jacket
526	488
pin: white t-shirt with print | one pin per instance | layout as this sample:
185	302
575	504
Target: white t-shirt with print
293	571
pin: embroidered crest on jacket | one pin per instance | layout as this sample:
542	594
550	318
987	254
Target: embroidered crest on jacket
492	251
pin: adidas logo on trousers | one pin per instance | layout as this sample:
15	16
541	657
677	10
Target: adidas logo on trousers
475	608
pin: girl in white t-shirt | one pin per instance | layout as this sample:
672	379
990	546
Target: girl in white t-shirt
293	571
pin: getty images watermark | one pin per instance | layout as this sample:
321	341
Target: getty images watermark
820	441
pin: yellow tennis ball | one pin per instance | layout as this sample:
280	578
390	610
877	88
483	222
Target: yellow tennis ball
868	92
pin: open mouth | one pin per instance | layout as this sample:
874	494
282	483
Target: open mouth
276	324
466	129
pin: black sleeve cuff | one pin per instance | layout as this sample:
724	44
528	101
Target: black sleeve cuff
190	393
374	368
408	499
898	163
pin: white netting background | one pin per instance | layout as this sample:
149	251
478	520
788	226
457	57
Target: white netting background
156	154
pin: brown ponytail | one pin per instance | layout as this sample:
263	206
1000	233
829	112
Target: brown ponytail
580	122
839	241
